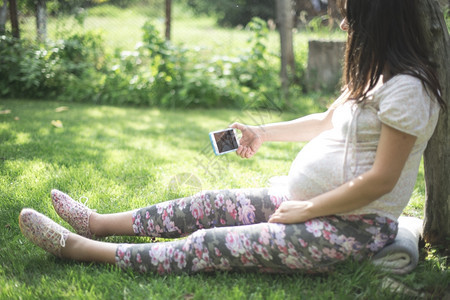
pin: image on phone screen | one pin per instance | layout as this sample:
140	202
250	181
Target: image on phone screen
224	141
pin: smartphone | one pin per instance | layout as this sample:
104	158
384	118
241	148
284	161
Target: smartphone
224	141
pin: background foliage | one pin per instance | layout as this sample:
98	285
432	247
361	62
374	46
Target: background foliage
80	66
233	13
156	72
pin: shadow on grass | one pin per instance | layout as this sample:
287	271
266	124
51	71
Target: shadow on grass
117	157
112	155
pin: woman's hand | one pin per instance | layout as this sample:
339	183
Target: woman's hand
250	141
290	212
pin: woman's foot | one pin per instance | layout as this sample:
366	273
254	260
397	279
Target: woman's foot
42	231
59	241
73	212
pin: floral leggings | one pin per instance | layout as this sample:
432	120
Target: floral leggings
228	230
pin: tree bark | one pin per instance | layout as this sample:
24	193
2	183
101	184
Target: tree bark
436	229
444	3
3	16
285	24
168	18
334	15
41	20
14	18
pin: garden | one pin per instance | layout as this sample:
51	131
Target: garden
127	126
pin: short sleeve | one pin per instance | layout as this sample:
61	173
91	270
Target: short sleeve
404	104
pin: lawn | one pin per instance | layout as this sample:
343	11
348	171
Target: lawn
123	158
122	28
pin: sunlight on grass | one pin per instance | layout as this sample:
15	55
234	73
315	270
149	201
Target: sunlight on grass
122	28
22	138
124	158
416	204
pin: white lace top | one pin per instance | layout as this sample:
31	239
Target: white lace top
348	150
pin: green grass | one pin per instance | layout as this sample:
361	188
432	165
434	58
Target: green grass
121	28
123	158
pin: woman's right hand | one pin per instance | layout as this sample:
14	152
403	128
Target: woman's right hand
250	141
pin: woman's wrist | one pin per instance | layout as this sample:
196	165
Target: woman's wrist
262	133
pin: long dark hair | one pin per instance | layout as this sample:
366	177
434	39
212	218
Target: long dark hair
385	33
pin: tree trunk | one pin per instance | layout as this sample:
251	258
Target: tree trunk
41	20
334	15
14	18
437	155
444	3
285	24
168	18
3	16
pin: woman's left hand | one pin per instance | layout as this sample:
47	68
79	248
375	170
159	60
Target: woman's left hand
290	212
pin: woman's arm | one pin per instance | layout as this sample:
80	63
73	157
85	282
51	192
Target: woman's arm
302	129
393	150
298	130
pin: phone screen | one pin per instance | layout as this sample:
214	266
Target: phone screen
225	141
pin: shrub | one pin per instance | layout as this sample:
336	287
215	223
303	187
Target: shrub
30	70
156	73
10	54
27	70
162	74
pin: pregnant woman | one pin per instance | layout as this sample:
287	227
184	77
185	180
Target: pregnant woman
343	194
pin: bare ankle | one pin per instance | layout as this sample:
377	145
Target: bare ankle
71	250
95	225
102	225
83	249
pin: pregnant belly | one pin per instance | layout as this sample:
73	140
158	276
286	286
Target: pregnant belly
318	168
301	187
